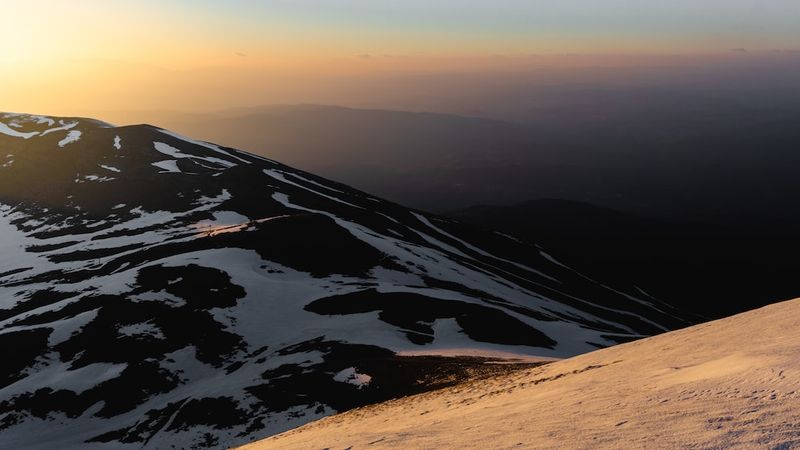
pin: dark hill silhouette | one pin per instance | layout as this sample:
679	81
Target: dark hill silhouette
711	270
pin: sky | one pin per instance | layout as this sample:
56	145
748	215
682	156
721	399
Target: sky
93	55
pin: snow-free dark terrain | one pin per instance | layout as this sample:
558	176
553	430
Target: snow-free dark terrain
159	292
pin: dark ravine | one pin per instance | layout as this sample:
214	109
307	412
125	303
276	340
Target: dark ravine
160	292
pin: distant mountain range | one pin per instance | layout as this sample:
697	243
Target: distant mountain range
725	160
158	291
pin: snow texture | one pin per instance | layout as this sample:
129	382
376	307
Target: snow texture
733	383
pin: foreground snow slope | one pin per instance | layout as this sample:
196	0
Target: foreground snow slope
732	383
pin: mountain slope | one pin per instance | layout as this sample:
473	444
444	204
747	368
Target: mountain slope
420	159
731	383
688	265
159	291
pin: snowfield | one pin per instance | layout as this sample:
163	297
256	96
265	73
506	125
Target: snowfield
732	383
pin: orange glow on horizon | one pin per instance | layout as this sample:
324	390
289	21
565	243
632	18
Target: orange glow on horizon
81	57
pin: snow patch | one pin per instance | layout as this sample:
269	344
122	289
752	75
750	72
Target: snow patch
178	154
204	144
5	129
64	127
146	329
167	166
98	178
110	168
72	136
351	376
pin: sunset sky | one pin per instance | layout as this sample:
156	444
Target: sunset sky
86	55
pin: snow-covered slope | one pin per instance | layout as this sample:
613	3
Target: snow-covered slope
159	291
732	383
